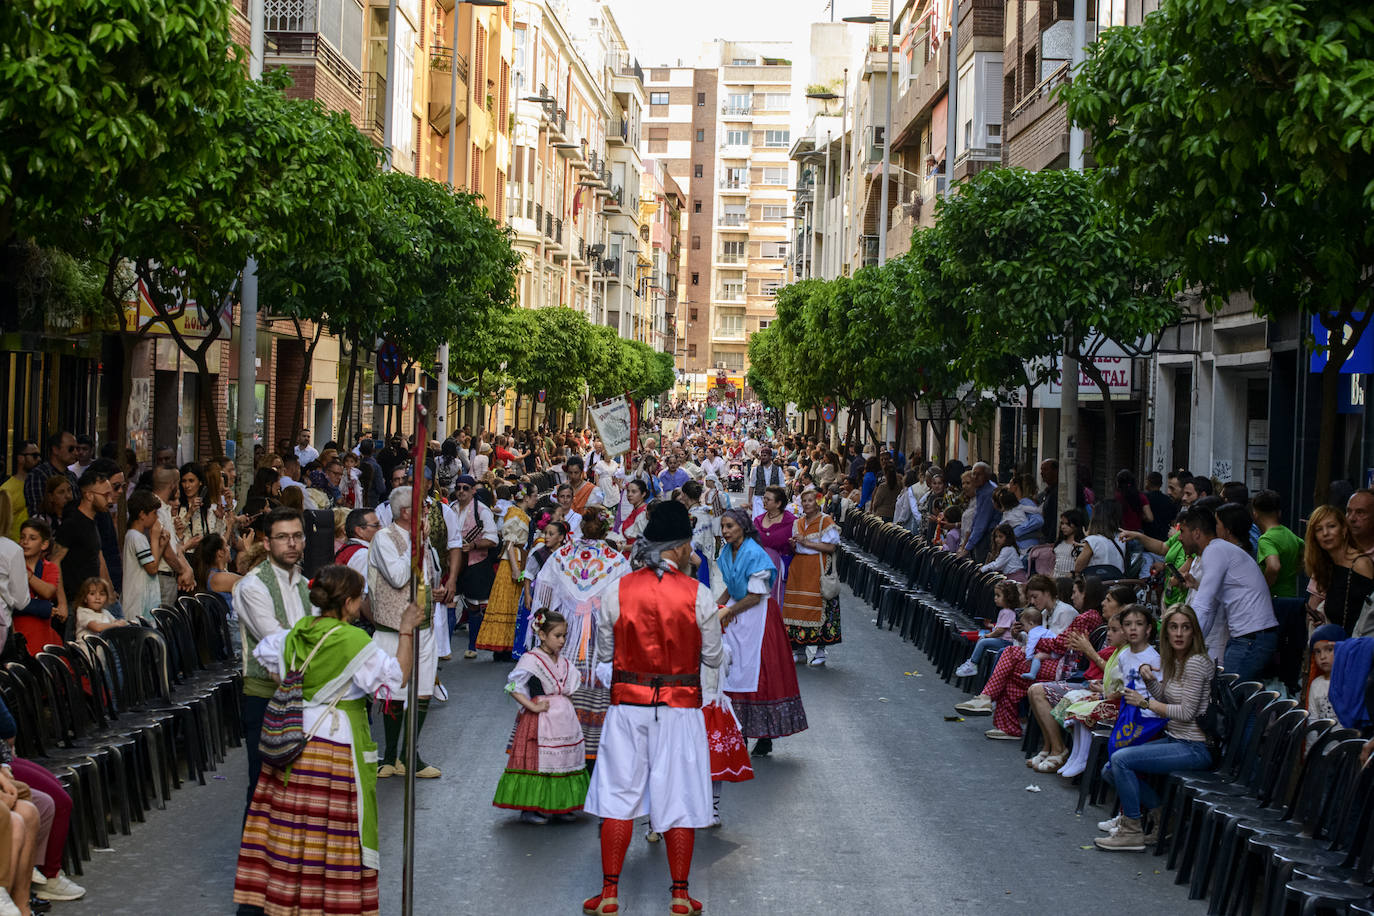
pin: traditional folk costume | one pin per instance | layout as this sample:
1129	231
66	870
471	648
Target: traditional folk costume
310	838
631	527
523	635
575	582
388	584
811	619
762	681
546	770
503	609
475	522
657	627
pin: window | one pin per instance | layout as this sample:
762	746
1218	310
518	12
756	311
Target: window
742	62
658	98
696	243
774	250
701	99
692	314
733	362
777	101
775	176
736	177
764	323
768	288
732	249
739	103
731	324
994	135
774	211
735	137
776	138
696	281
692	351
696	170
696	206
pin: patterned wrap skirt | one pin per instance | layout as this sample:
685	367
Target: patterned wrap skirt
300	854
497	633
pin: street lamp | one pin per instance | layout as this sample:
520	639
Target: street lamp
887	133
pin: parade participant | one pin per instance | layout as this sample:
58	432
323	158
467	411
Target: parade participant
811	618
388	585
475	525
632	526
705	530
554	535
574	582
762	681
657	627
310	840
585	493
774	526
766	474
546	768
503	610
271	598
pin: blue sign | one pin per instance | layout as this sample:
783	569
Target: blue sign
1361	358
541	396
389	361
1351	396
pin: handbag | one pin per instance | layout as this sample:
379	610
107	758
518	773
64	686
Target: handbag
1134	727
830	581
283	735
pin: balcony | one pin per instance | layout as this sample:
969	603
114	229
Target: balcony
733	220
731	258
972	161
1038	131
740	185
737	111
731	293
441	63
868	250
299	44
374	106
913	107
727	335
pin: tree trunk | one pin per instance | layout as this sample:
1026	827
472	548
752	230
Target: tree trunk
205	387
1026	429
1109	414
1331	386
298	402
346	410
518	398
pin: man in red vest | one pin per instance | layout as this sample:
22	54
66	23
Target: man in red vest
657	628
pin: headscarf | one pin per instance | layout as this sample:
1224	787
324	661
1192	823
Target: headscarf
741	517
1327	632
650	553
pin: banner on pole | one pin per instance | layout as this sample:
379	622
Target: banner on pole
613	424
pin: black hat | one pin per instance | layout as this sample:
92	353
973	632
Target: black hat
668	521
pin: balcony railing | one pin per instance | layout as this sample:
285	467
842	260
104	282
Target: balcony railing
374	105
731	293
441	59
728	334
731	257
736	111
1042	89
734	184
732	219
558	232
310	45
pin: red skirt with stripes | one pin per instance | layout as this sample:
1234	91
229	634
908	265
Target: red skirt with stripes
300	854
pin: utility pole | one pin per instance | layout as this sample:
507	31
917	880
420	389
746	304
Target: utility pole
1068	384
247	412
952	98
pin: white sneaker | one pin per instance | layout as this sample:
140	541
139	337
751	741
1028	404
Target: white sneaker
440	693
7	907
967	669
60	888
1109	826
818	660
39	879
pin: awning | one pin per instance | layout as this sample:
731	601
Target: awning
461	392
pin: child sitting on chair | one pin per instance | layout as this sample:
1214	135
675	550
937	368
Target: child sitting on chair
1033	622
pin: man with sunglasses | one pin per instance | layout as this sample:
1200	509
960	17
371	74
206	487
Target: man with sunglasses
271	597
25	460
61	452
477	529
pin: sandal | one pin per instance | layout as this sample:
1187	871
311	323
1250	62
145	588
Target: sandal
1035	761
601	906
1051	763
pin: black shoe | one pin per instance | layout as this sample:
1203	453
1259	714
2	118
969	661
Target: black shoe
762	748
39	905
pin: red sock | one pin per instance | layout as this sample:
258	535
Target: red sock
615	841
680	841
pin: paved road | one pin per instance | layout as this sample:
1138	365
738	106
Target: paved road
882	807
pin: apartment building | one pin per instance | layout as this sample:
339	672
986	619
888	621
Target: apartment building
662	212
723	130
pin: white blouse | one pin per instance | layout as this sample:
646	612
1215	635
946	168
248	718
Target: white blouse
378	672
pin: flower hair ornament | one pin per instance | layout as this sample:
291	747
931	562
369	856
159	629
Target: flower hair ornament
540	618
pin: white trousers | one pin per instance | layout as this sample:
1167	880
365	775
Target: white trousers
424	668
661	768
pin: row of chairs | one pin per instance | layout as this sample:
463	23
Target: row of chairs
124	717
1281	825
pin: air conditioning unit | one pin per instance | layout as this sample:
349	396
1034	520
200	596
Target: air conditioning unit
720	365
596	251
611	266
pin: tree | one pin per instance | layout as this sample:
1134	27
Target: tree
1037	258
274	175
97	92
563	353
1244	133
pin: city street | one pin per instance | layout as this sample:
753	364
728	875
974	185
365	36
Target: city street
953	831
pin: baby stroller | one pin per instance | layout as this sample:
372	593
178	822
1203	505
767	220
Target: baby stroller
734	481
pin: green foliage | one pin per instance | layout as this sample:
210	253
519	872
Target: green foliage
97	94
1243	131
562	351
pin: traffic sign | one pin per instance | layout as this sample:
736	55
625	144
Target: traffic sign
828	412
387	395
388	361
541	395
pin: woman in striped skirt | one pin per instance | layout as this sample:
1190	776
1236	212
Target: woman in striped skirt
310	840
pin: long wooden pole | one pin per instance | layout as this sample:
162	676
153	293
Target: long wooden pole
420	594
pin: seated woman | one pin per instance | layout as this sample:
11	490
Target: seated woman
1342	576
1180	692
1045	697
1004	690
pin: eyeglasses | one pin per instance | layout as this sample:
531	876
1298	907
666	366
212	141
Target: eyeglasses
289	538
371	525
28	454
461	488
